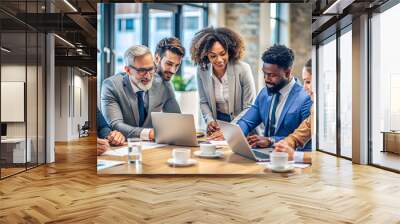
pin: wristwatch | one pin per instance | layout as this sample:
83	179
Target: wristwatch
272	140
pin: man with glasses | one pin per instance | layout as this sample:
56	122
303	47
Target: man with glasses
128	98
282	105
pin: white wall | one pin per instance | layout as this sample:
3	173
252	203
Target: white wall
71	102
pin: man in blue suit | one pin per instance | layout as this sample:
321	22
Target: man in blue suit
105	136
281	106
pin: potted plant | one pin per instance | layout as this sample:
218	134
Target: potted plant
187	95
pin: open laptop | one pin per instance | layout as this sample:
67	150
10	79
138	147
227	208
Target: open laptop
174	129
239	145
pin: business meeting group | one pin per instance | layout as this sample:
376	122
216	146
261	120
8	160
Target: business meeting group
279	117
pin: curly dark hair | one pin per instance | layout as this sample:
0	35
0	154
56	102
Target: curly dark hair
205	39
172	44
279	55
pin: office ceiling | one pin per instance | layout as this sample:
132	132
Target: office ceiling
326	13
73	20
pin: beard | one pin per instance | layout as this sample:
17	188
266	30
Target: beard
140	85
274	88
166	76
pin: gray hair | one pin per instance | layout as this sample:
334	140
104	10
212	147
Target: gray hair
133	52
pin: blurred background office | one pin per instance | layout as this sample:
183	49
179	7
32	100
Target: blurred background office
46	73
261	25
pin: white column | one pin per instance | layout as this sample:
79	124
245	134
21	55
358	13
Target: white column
50	99
264	41
216	14
360	90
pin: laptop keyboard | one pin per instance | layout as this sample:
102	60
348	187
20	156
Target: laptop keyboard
260	155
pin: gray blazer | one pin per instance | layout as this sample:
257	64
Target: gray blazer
119	103
242	90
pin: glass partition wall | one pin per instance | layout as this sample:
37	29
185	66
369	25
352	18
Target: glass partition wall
385	89
22	88
334	94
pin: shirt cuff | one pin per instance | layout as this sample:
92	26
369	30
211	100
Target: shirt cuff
145	134
298	157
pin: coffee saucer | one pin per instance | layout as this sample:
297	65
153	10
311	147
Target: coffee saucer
217	154
288	168
190	162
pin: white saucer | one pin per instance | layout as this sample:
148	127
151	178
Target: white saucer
190	162
289	167
217	154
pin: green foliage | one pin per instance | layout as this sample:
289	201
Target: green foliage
181	84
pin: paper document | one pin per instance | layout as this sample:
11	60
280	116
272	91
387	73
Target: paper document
124	150
223	143
295	165
102	164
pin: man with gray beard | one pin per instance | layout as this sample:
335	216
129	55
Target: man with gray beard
128	98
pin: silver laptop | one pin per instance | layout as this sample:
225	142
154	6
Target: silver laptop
174	129
239	145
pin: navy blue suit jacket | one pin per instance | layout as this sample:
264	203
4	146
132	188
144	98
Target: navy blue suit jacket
295	110
103	129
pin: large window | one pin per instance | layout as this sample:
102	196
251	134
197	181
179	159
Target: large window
327	96
144	23
346	93
192	22
385	88
279	13
160	26
126	33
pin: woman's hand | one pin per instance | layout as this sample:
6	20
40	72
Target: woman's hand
212	127
283	146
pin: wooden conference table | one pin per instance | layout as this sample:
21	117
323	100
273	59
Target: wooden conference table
154	161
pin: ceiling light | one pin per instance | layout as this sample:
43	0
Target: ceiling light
337	7
70	5
65	41
84	71
5	49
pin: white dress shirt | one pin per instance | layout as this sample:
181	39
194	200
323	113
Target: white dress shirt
221	92
283	97
145	133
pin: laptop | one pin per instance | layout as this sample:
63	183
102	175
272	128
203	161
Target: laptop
174	129
239	145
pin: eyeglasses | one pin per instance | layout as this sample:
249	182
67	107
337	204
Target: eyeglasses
144	71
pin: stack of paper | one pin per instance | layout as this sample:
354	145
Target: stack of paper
124	150
103	164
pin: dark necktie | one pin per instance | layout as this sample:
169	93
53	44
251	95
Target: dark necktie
142	109
273	117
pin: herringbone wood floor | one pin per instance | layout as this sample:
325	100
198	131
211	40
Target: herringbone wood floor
70	191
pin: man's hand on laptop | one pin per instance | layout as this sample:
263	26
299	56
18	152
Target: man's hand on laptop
258	141
216	136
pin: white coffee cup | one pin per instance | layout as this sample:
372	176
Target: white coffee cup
279	160
181	155
207	149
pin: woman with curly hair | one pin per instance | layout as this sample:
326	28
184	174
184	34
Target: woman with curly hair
225	83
